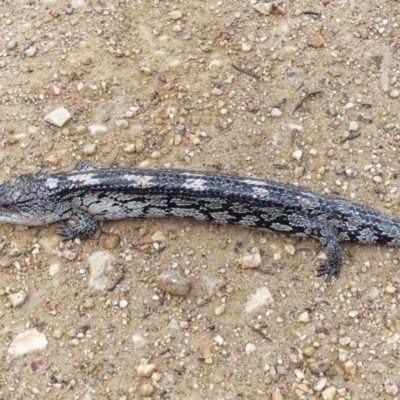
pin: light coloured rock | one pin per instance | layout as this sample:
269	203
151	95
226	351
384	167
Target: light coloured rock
97	129
317	40
146	390
353	126
297	155
290	249
394	93
58	117
353	313
276	112
304	317
174	282
145	370
261	297
320	385
89	149
54	268
250	260
121	123
329	393
277	395
266	8
16	299
246	47
350	368
175	15
100	264
27	342
123	303
391	389
130	148
320	366
250	348
30	51
11	45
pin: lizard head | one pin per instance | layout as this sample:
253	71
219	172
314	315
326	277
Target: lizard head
21	200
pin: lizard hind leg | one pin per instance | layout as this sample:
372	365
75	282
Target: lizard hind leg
326	234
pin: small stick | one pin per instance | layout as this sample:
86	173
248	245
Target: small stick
245	72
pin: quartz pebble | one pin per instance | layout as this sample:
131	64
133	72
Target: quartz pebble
394	93
100	264
246	47
251	260
250	348
329	393
304	317
16	299
320	385
350	368
58	117
130	148
175	15
97	129
30	51
27	342
145	370
276	112
174	282
261	297
54	268
11	45
297	155
353	126
266	8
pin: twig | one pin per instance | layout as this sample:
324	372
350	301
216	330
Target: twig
306	97
244	71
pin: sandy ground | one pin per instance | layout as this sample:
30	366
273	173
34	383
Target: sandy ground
307	95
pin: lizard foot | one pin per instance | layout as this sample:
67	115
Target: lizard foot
331	271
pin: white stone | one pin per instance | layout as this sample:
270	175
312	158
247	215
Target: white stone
353	126
58	117
394	93
297	155
16	299
266	8
276	112
261	297
250	348
174	15
54	268
96	129
246	47
329	393
320	384
304	317
123	303
145	370
27	342
30	51
100	264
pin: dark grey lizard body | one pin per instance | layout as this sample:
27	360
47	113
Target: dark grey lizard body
89	194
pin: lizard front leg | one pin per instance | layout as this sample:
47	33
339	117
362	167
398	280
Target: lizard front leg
85	225
326	234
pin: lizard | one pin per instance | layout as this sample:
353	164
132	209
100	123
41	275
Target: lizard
89	194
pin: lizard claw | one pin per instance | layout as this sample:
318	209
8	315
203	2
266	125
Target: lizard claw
66	232
329	270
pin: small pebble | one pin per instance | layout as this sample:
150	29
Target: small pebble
246	47
391	389
277	395
353	126
394	93
174	282
57	334
123	303
304	317
320	366
88	304
320	385
81	129
130	148
89	149
139	146
146	390
219	310
276	112
175	15
101	263
350	368
97	129
30	51
353	314
266	8
11	45
297	155
58	117
121	123
110	241
16	299
27	342
390	289
145	370
251	260
250	348
329	393
317	40
260	298
54	268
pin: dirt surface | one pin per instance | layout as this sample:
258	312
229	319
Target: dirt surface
307	95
